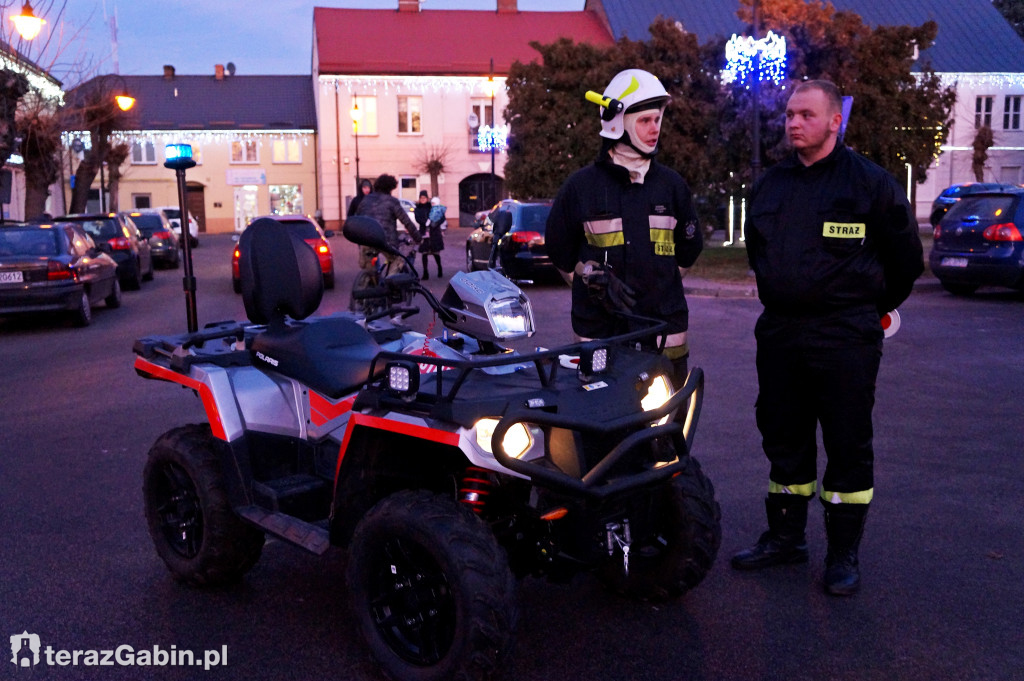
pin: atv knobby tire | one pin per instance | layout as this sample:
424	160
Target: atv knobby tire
431	589
195	531
678	558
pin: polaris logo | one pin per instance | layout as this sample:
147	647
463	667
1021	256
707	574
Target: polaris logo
269	360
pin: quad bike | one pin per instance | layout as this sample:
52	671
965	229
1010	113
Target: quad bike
447	466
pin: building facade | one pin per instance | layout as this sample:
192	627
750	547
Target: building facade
426	85
253	138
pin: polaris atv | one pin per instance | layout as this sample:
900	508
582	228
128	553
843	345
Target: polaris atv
447	466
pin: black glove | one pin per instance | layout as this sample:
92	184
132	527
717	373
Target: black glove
606	287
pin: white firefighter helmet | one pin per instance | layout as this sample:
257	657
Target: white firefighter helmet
634	88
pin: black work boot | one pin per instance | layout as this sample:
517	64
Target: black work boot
784	542
844	526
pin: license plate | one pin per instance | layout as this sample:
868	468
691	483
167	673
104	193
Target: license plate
11	278
954	262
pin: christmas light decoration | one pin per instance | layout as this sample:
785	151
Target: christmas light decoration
740	52
195	137
488	138
410	84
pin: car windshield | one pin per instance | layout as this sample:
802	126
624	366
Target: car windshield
100	228
305	230
172	213
989	209
148	224
28	242
533	219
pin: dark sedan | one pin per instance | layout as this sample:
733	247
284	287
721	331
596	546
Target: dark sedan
54	267
125	243
979	243
521	253
950	195
163	241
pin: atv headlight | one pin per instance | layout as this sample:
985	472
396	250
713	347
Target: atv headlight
510	318
657	395
517	440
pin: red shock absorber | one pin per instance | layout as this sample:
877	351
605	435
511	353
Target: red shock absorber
474	488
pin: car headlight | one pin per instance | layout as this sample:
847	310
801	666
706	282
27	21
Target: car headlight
517	440
658	393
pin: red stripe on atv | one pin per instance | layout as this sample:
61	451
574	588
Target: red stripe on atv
147	368
322	410
443	437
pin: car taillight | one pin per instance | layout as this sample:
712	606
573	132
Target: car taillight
120	243
525	237
937	232
236	255
58	271
1004	232
323	248
163	234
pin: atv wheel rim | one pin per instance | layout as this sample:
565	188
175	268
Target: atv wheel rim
178	510
411	603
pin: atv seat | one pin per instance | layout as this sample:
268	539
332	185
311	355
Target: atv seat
282	285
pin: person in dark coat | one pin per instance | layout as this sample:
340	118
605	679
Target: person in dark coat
365	187
433	235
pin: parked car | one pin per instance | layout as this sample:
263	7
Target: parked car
163	242
173	215
979	243
950	195
308	231
522	253
46	267
124	242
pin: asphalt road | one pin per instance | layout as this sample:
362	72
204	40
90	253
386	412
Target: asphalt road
942	558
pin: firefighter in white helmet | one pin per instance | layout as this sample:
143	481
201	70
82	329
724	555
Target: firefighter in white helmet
625	226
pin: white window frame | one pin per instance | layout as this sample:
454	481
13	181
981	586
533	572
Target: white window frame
412	116
983	105
484	115
245	147
286	151
1011	112
143	154
368	121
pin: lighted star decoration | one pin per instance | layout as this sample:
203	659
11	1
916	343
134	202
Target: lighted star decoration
739	58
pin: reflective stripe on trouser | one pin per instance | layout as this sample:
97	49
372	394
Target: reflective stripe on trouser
800	387
604	233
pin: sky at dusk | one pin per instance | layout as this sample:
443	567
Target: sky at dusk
259	36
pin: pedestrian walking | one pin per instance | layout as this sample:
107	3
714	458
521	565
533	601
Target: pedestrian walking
365	187
388	211
834	244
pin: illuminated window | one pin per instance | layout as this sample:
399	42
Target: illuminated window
1011	113
244	151
409	109
367	114
484	113
983	111
143	153
286	151
285	199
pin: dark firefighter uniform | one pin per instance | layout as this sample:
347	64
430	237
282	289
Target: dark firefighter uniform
644	231
833	246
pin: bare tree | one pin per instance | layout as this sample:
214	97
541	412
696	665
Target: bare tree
982	141
432	160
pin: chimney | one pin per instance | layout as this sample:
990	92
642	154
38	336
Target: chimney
218	71
507	7
408	5
168	72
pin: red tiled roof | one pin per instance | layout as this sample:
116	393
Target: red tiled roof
448	42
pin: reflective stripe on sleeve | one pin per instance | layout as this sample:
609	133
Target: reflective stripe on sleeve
862	497
662	228
804	490
604	233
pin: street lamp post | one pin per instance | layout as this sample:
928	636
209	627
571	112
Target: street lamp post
124	102
356	117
